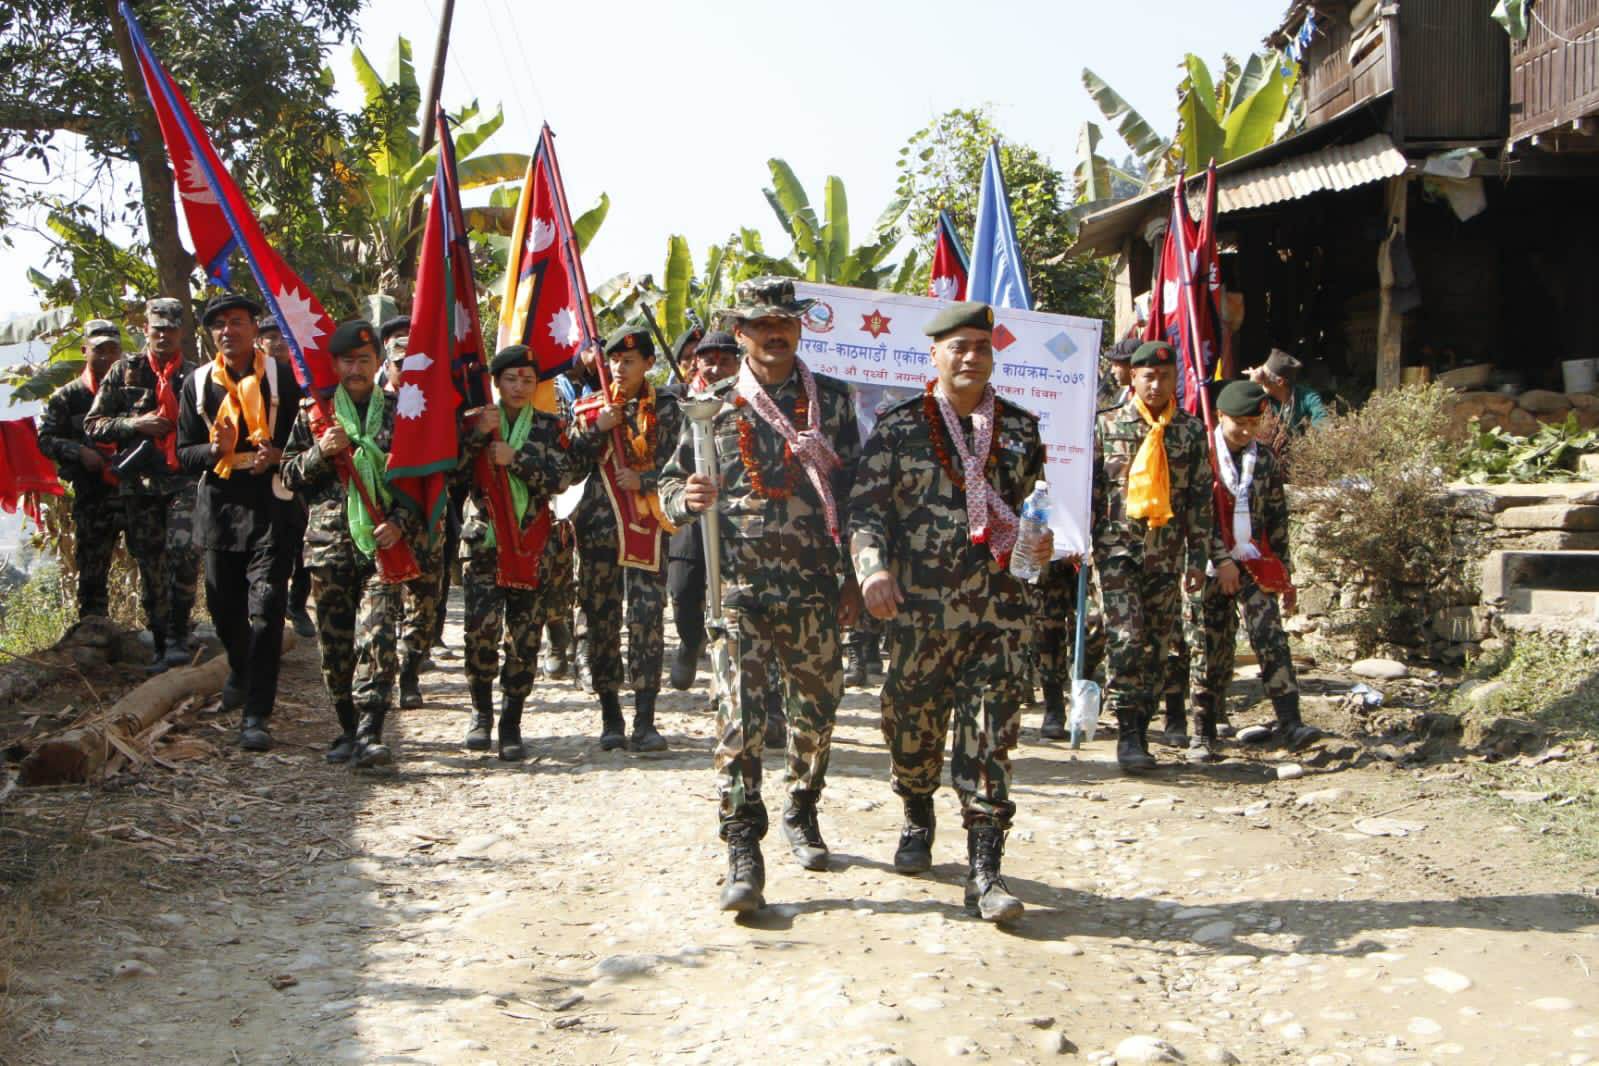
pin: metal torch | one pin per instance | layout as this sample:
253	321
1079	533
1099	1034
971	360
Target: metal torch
700	410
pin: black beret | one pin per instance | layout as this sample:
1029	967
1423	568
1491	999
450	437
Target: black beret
1241	399
351	335
510	357
1123	351
1154	353
391	326
227	302
718	341
267	324
630	339
973	313
692	335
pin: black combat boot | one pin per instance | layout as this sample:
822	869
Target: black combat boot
300	619
158	659
253	735
1292	732
855	660
1130	754
802	832
344	746
410	688
915	852
1205	745
1176	733
685	666
776	719
613	731
987	895
477	737
580	663
1054	727
511	749
746	869
557	643
645	736
232	698
873	653
369	747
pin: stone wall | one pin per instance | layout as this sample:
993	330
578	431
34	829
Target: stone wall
1523	415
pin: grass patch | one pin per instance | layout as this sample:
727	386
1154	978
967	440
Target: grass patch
1551	679
36	613
1567	823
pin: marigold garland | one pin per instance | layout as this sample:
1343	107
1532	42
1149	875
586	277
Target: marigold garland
936	430
640	446
752	462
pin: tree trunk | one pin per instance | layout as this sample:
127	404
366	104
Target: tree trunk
173	262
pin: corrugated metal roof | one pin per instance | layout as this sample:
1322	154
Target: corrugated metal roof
1334	168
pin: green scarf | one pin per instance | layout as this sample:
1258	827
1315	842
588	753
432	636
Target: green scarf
370	462
515	434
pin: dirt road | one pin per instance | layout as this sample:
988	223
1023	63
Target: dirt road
563	910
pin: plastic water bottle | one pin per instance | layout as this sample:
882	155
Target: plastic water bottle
1034	522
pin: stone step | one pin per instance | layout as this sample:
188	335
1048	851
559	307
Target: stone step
1579	517
1563	603
1505	571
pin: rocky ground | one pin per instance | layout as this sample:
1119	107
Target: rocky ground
271	909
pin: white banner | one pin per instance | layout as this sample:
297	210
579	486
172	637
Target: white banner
1048	364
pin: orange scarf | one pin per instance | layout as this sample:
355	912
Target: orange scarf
1149	479
640	446
244	407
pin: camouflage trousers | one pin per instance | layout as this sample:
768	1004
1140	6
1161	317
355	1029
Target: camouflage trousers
418	603
160	534
98	519
1183	649
502	625
1216	646
1055	629
1142	610
974	678
796	647
354	634
603	586
562	592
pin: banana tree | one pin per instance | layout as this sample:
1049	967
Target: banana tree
822	249
391	179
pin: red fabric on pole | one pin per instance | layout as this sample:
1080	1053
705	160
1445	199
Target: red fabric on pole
25	473
1185	299
947	279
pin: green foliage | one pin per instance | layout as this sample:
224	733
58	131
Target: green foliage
36	614
941	168
1492	456
1362	476
1549	680
822	249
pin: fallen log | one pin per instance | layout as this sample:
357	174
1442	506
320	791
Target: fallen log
79	754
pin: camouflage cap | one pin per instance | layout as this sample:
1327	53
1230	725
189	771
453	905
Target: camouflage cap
767	296
99	330
163	312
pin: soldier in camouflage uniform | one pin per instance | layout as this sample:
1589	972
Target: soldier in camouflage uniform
786	446
98	514
1246	469
1154	532
352	601
135	410
540	461
931	548
1055	642
649	421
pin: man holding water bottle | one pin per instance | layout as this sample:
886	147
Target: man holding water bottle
934	518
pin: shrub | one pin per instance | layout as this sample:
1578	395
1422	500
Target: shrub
1371	510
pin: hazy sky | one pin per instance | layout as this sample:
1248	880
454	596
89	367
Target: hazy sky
674	108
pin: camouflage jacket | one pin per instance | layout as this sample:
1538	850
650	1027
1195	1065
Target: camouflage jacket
775	552
549	462
908	516
1189	540
128	391
315	478
61	436
594	521
1268	503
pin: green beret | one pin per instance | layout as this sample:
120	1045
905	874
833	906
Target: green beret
631	339
1154	353
973	314
1241	399
692	335
510	357
351	335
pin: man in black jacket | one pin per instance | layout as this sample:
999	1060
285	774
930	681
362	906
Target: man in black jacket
234	419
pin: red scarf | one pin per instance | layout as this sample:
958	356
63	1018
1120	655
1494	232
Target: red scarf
167	402
107	450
